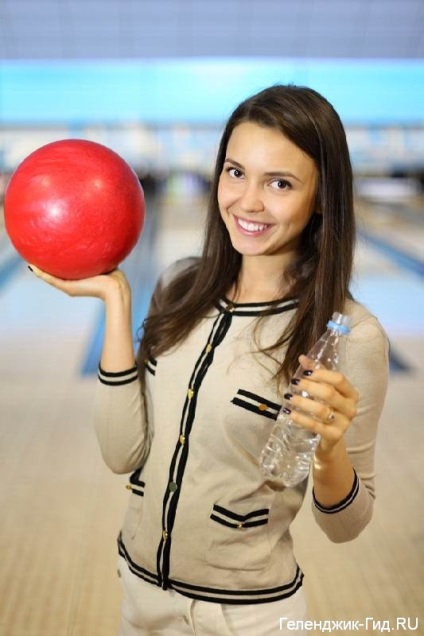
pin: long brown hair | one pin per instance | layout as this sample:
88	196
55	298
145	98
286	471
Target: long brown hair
321	274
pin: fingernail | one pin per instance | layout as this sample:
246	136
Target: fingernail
294	381
30	268
308	373
287	396
286	410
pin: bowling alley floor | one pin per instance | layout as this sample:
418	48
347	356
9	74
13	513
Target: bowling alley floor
62	508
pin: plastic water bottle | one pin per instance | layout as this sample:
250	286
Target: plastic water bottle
288	453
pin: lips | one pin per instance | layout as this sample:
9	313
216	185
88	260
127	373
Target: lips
249	227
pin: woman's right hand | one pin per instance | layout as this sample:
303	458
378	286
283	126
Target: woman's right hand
102	286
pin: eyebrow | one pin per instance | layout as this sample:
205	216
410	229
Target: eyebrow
273	173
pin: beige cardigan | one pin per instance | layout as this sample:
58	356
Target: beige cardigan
202	518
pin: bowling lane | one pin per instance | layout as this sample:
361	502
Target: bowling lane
41	330
390	272
9	260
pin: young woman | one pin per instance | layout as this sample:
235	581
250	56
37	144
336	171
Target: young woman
205	547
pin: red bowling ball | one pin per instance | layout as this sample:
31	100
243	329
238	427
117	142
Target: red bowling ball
74	208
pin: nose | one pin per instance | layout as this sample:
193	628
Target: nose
251	199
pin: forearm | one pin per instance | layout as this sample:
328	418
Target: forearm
344	480
120	418
120	421
118	349
333	474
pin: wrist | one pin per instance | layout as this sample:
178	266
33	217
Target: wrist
117	295
333	474
327	455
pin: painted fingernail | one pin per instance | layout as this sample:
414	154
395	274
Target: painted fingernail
286	410
30	268
308	372
287	396
294	381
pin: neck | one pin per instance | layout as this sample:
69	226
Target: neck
260	280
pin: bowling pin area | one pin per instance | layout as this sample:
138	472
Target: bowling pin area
61	508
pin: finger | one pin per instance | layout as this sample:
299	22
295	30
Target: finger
331	415
322	411
331	433
83	287
101	286
46	277
307	363
333	378
320	398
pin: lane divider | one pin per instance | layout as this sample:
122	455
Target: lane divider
9	268
404	261
401	258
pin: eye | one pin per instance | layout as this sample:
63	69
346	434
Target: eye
281	184
234	172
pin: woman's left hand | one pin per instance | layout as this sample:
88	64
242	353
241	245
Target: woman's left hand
332	408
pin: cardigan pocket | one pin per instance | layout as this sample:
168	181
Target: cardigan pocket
238	537
135	505
256	404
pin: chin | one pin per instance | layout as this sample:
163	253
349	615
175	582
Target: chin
246	250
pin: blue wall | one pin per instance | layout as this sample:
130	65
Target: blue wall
202	91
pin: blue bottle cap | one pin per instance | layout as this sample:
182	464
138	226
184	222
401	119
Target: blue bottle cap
340	322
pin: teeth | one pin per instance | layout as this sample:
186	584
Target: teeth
251	227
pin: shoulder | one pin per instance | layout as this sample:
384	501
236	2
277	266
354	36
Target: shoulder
173	283
367	332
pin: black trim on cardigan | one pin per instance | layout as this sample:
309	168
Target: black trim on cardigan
344	503
256	404
234	520
240	597
150	365
118	378
216	595
178	463
136	485
257	309
136	569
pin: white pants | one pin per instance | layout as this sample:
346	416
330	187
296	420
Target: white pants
147	610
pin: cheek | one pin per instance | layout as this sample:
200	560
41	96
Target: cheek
303	209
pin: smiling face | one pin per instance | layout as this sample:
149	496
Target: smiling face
266	192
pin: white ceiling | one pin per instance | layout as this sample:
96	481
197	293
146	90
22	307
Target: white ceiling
131	29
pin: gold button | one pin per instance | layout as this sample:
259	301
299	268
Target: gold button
164	535
229	307
262	407
240	526
190	393
172	486
128	487
182	440
208	348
